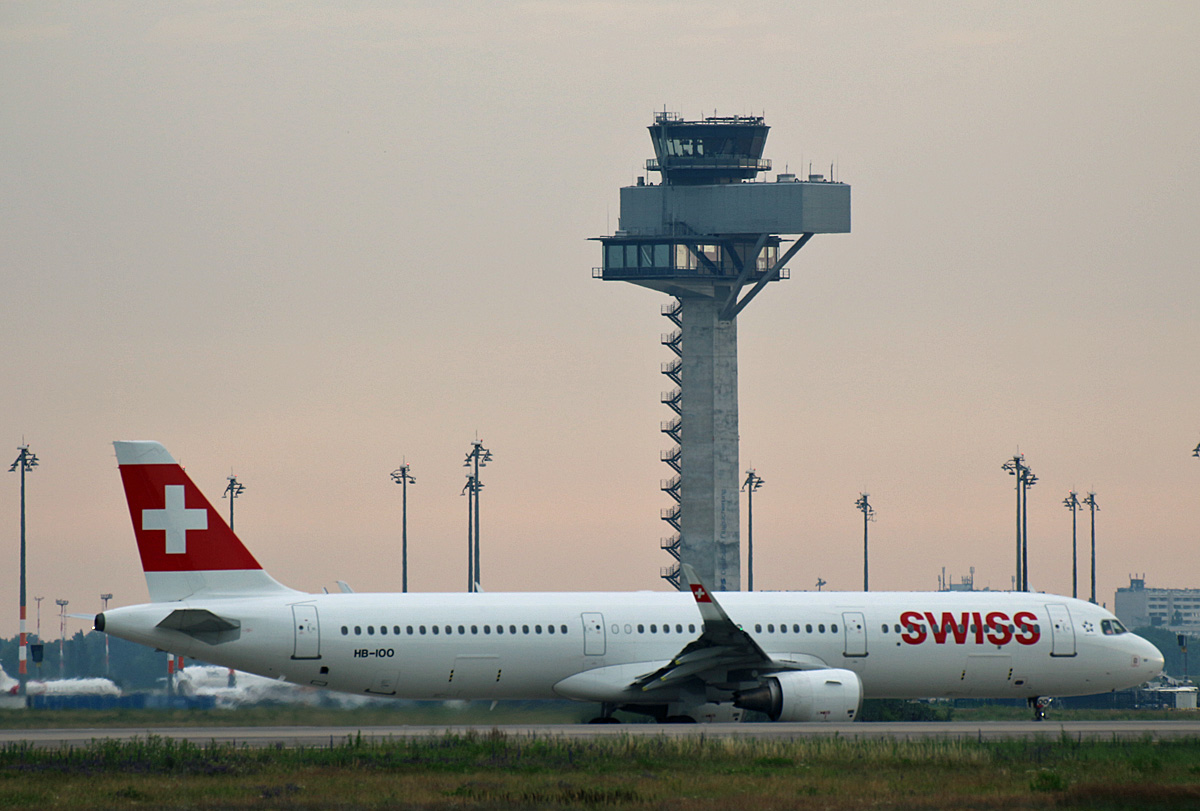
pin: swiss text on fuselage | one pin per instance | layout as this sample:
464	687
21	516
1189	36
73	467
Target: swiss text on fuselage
970	627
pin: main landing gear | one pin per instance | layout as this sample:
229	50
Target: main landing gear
606	715
1039	704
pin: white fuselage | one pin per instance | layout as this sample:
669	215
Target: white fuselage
500	646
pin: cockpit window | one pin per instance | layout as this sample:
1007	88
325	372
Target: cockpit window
1112	627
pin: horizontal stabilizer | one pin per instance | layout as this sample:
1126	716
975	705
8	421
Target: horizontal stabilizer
203	625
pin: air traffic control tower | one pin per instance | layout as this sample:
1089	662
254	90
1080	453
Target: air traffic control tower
712	235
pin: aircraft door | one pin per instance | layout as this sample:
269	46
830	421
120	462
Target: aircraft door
308	632
593	634
855	626
1062	631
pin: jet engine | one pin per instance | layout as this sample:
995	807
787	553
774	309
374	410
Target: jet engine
805	695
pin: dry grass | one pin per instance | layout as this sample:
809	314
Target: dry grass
496	771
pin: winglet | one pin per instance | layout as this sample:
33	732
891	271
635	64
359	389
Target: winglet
710	610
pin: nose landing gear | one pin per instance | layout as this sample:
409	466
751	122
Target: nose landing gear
1039	704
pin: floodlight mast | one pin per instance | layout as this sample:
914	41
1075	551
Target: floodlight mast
25	462
62	633
1090	502
1029	481
868	515
1016	467
104	598
478	457
1071	502
402	477
712	239
753	482
232	491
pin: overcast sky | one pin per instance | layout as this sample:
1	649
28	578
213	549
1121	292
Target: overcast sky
306	241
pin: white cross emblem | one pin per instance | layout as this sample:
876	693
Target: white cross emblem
175	519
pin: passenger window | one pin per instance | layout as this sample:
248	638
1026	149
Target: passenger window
396	630
345	631
641	628
757	628
808	628
691	628
550	629
783	627
795	627
525	629
897	627
537	629
653	628
383	630
563	628
358	630
422	630
885	628
500	629
821	628
666	628
370	630
678	628
833	629
435	629
474	629
770	628
512	629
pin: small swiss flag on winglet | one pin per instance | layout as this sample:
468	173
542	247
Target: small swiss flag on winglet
700	593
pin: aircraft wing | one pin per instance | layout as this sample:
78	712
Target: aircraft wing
723	646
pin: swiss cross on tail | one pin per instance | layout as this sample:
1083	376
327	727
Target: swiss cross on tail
700	593
175	519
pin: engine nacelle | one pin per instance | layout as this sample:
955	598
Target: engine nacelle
830	694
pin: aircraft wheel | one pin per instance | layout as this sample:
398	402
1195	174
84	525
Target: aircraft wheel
680	719
1039	705
604	719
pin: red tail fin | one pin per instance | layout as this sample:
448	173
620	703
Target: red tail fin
187	549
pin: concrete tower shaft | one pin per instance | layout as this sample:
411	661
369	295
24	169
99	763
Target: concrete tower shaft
704	235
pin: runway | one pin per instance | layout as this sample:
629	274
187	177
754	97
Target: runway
295	736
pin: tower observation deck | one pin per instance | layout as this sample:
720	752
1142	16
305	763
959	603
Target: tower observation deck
712	236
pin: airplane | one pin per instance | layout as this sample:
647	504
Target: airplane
674	656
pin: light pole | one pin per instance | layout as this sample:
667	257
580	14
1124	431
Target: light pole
232	491
478	456
752	483
1029	481
1090	501
25	462
40	646
868	515
1016	467
402	477
62	633
1071	502
471	491
104	598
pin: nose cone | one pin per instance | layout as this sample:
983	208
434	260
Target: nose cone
1152	658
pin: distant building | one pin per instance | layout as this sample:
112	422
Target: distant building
965	583
1140	607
